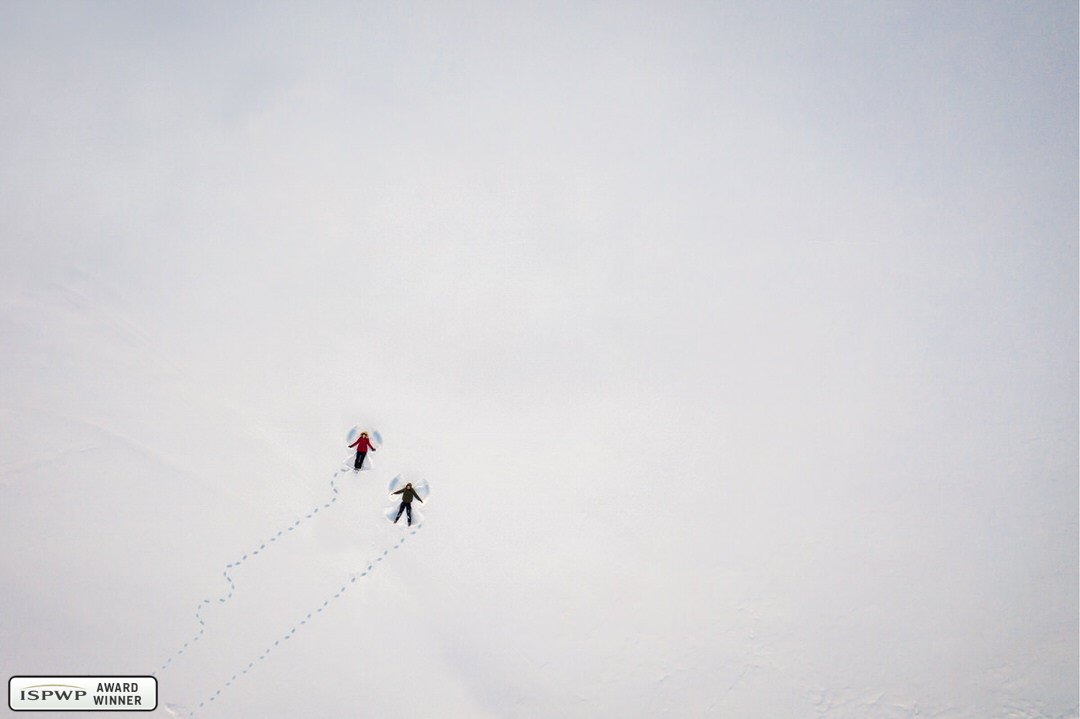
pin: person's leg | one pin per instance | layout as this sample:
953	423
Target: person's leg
408	511
399	511
360	459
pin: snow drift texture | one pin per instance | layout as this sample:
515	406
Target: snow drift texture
737	343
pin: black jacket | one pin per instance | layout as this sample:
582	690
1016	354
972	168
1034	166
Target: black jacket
408	494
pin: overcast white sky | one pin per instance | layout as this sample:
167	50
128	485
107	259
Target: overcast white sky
762	313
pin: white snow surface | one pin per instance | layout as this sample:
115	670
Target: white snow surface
737	343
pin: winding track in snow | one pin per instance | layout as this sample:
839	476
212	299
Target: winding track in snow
262	548
311	615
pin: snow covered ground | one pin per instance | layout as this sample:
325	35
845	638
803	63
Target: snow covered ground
737	344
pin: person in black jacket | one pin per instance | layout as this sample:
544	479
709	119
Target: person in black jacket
407	496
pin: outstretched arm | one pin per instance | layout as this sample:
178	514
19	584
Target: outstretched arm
355	443
398	492
418	497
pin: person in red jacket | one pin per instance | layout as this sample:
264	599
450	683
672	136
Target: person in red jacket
363	444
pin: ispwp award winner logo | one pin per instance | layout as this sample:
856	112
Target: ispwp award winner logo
82	693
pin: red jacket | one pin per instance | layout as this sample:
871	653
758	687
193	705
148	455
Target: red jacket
363	444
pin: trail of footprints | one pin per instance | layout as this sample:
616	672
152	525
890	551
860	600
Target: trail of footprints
307	618
263	547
